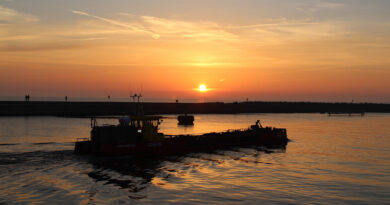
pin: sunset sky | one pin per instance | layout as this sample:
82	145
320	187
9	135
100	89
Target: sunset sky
311	50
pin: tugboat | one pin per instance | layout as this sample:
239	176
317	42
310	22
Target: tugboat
138	135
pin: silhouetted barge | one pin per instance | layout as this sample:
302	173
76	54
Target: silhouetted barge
139	136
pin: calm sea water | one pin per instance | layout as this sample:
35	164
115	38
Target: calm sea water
330	160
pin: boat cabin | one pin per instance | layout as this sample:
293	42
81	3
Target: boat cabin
131	129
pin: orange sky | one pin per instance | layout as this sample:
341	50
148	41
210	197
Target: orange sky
322	51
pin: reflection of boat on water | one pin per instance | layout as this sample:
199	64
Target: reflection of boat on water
137	174
185	119
131	174
138	135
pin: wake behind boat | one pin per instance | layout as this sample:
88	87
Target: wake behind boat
138	135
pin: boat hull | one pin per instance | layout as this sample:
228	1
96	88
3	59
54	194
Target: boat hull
188	143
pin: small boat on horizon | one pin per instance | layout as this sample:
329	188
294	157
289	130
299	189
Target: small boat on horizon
185	119
138	135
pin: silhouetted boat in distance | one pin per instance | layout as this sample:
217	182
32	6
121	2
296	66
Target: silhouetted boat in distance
185	119
138	135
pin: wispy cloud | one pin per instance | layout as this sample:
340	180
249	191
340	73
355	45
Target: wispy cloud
276	30
186	29
18	46
121	28
133	27
330	5
10	16
315	7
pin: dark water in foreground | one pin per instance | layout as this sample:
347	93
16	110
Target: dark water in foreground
330	160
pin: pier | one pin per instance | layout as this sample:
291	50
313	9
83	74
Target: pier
86	109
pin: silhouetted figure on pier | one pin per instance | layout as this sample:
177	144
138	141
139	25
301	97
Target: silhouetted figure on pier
27	98
66	98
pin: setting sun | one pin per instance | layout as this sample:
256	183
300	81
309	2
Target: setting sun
202	88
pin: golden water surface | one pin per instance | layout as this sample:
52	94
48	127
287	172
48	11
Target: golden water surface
328	160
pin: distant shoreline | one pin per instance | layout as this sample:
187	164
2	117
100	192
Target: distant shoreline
86	109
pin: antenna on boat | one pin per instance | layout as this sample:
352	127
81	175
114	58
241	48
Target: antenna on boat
133	96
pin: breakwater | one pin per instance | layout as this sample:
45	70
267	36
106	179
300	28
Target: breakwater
80	109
